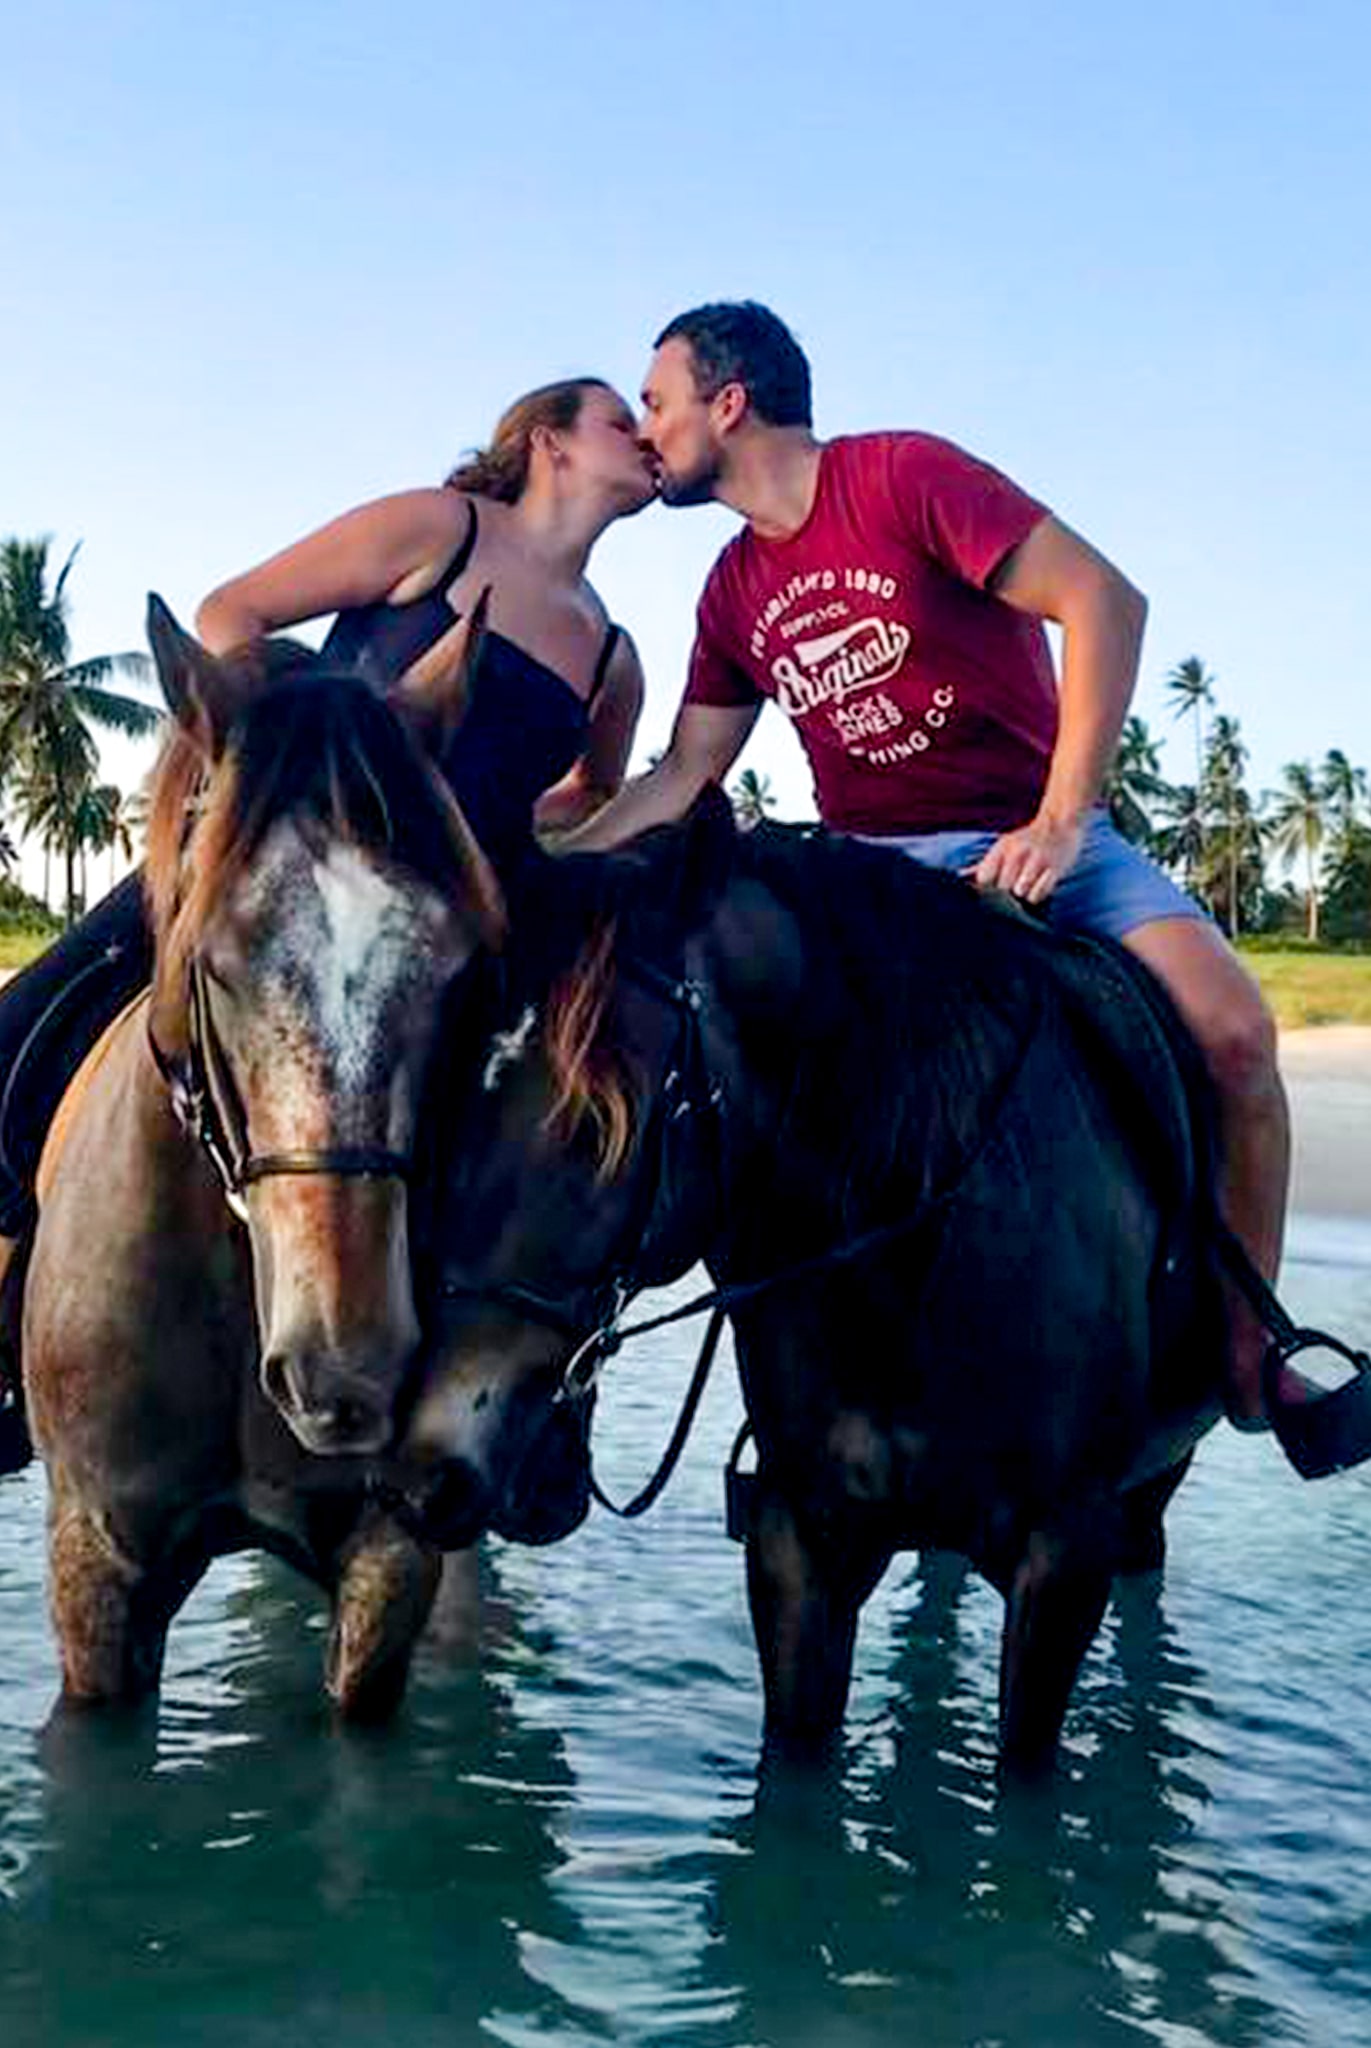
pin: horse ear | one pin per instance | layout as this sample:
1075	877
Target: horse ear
193	682
708	851
679	871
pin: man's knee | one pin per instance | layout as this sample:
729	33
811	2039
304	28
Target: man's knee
1238	1041
1222	1006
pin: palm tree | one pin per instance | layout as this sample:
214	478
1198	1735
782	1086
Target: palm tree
1192	687
1298	827
752	798
1344	791
94	824
1224	801
1180	841
126	822
50	795
1134	781
46	699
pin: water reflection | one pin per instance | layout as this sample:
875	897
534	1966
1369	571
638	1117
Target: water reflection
273	1872
916	1898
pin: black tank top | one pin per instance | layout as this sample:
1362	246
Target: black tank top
524	725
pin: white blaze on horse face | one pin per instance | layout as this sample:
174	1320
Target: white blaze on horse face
349	961
351	964
368	949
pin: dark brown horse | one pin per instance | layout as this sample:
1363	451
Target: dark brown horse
762	1050
212	1351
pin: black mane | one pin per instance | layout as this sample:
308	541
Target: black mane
920	1000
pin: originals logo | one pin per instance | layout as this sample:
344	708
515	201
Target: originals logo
827	669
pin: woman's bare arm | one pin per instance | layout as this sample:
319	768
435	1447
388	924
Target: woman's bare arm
367	555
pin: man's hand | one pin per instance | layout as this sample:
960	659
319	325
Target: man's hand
1030	861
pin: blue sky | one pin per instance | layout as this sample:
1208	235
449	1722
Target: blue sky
263	263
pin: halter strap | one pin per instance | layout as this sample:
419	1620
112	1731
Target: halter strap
206	1104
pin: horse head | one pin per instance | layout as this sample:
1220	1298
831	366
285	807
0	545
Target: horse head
314	893
583	1152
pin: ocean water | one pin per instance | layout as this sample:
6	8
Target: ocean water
561	1840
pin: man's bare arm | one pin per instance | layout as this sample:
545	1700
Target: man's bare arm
1054	574
705	743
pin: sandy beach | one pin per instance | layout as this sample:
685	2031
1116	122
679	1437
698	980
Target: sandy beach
1328	1074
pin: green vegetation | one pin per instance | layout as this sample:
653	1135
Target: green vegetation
48	704
1224	844
1310	984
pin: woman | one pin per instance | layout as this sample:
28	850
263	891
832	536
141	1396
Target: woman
545	735
557	689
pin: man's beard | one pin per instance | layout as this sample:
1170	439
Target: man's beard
699	487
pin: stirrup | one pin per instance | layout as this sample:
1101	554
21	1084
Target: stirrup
1330	1432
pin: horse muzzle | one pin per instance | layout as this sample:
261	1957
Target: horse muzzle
331	1413
515	1461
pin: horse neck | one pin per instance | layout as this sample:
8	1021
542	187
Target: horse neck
116	1164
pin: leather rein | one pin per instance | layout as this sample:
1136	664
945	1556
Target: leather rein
209	1109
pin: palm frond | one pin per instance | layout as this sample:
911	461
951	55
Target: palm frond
118	713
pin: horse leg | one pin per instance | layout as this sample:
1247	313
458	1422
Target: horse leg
384	1590
454	1625
110	1623
804	1618
1142	1542
1054	1604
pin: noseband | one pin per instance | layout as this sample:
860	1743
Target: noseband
210	1111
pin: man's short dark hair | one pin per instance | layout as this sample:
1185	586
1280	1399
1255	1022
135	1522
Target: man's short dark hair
736	341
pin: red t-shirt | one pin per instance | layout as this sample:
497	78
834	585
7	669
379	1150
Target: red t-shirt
923	702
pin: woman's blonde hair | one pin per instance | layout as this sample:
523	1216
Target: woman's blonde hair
501	470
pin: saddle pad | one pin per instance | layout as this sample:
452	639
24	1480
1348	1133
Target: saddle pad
1157	1079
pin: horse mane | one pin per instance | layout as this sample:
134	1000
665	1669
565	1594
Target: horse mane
919	999
591	1081
914	994
317	744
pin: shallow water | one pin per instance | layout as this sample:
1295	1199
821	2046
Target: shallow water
563	1842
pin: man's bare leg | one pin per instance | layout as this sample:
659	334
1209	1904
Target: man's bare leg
1224	1010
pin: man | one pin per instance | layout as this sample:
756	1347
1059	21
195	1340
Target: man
888	591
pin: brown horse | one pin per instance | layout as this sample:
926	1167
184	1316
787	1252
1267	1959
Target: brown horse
218	1311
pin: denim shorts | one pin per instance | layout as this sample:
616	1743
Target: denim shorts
1111	890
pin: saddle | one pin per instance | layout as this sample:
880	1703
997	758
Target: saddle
1152	1069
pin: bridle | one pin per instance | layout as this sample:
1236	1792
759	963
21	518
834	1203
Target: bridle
690	1100
687	1103
209	1109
